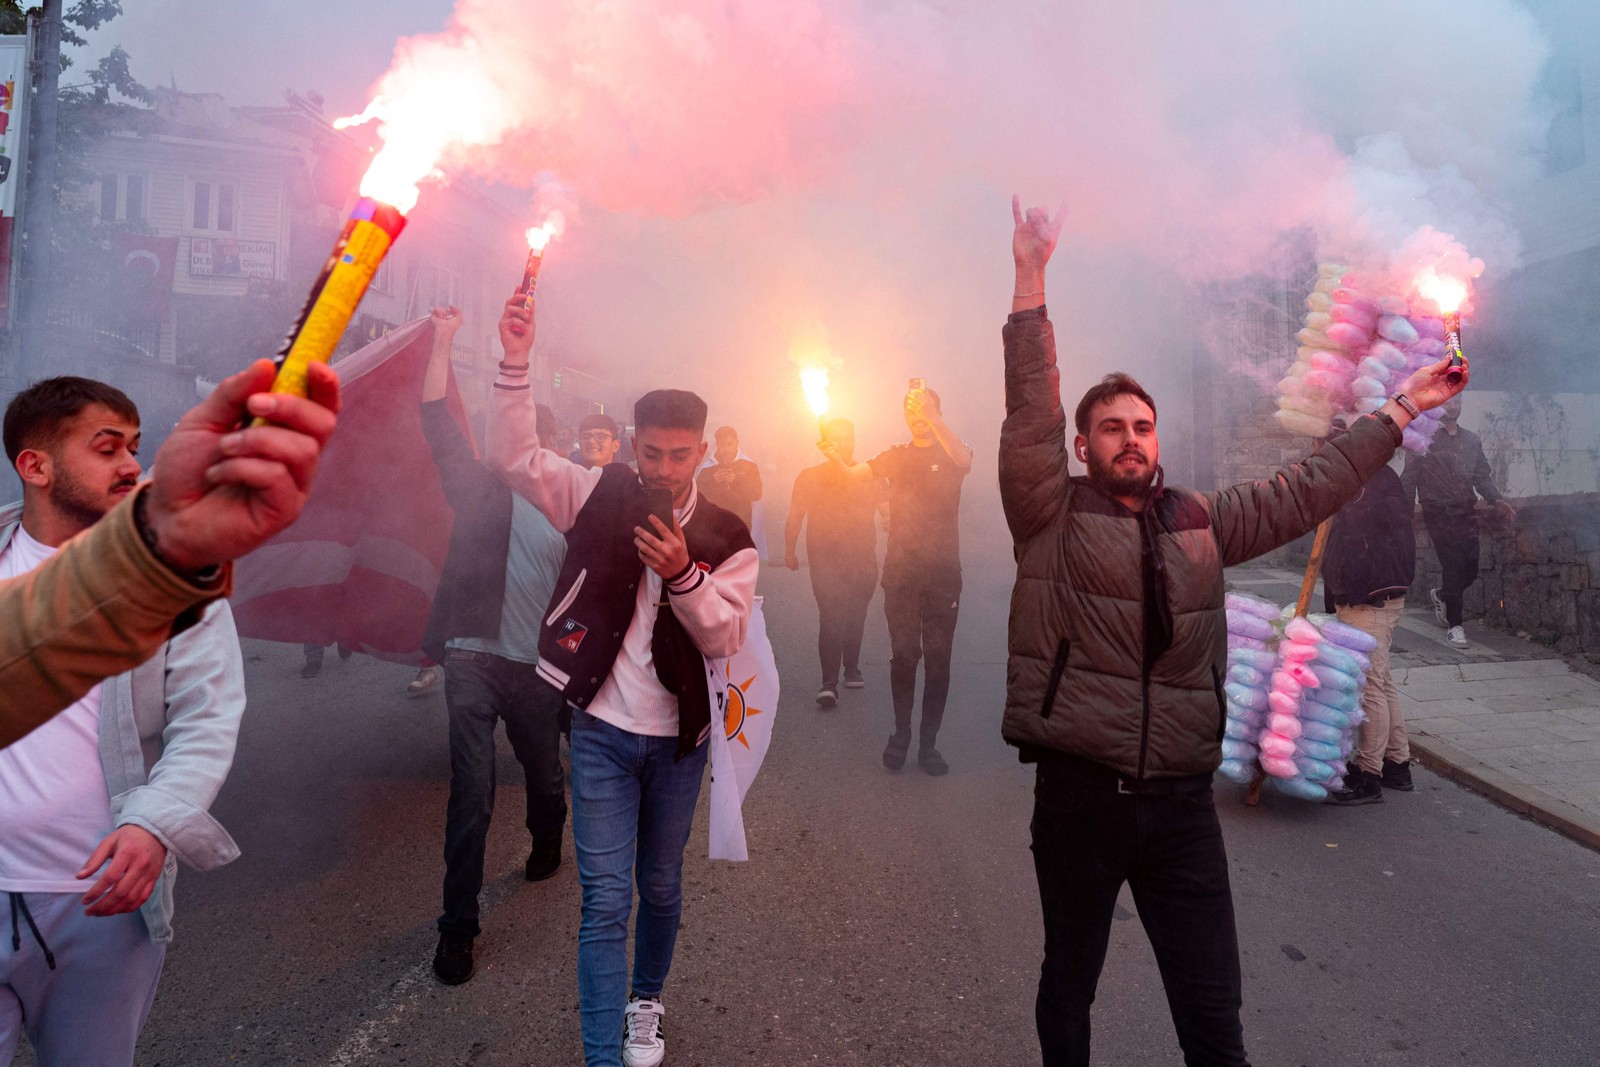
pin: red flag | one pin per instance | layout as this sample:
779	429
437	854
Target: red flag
142	285
360	566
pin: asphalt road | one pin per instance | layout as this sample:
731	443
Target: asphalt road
883	918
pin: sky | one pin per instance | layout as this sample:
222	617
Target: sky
755	181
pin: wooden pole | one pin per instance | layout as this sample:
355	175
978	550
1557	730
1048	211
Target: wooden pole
1308	585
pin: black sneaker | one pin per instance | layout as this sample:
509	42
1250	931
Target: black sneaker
853	679
828	695
1397	776
933	763
894	753
543	861
452	960
1360	787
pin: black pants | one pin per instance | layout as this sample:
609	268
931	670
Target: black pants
1087	840
921	614
1455	542
843	583
479	690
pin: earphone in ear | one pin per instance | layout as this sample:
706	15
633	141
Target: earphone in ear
1082	456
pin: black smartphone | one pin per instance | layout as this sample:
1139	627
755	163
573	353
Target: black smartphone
657	502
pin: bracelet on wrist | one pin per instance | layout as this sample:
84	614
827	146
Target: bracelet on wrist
141	522
1024	296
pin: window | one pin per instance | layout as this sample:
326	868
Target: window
215	206
122	198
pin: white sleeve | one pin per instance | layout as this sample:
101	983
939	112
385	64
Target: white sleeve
714	607
553	484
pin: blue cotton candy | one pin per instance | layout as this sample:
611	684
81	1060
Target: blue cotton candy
1247	676
1328	678
1260	660
1321	731
1237	643
1241	771
1314	770
1240	731
1245	696
1339	659
1315	711
1317	750
1398	329
1233	748
1300	788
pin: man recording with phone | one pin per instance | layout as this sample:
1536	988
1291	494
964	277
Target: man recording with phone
922	567
657	580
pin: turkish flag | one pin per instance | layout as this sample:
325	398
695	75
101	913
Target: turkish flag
142	280
361	564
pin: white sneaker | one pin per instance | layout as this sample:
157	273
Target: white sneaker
427	679
1438	608
1458	637
643	1043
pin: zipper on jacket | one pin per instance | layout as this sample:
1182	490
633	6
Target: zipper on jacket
1144	634
566	601
1055	678
1222	707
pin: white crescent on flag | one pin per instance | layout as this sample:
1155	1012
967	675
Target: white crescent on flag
744	688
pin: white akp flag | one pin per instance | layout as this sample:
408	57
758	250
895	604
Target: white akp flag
744	692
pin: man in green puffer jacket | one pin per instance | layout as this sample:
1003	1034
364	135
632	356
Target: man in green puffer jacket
1116	655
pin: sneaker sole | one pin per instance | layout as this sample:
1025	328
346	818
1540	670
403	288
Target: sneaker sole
1409	788
827	702
855	685
1376	798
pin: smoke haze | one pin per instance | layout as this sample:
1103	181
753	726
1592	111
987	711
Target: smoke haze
745	179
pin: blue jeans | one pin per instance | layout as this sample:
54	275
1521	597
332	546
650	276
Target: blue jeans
632	806
479	690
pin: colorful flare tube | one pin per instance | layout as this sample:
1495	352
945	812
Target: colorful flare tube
364	241
1452	344
530	276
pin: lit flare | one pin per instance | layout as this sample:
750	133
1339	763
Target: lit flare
814	383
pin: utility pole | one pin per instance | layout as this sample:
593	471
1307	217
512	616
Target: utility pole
40	215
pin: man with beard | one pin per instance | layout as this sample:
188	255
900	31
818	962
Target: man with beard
1117	647
101	802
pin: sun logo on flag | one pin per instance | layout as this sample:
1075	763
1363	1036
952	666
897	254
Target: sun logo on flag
736	709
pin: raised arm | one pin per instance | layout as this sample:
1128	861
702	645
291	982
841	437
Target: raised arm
960	452
549	482
1256	517
1033	437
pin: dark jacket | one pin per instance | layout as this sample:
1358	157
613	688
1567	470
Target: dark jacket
1372	548
1444	478
739	495
472	585
1076	681
595	596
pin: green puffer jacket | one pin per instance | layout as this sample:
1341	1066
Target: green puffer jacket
1075	679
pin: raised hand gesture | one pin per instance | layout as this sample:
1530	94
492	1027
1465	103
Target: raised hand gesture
1034	239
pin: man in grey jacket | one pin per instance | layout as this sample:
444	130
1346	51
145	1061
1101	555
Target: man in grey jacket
100	803
1116	651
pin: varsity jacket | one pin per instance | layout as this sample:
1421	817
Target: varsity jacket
607	605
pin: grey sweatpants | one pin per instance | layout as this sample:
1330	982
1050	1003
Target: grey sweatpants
92	1005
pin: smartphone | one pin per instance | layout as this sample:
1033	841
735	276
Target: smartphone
918	384
657	502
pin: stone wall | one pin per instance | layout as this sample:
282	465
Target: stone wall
1539	576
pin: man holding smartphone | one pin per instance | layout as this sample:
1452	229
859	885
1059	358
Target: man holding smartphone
656	581
922	567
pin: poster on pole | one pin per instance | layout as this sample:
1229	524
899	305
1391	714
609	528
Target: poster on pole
14	94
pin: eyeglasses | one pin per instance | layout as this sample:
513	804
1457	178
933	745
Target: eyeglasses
594	437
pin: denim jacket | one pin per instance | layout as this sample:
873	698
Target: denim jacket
167	734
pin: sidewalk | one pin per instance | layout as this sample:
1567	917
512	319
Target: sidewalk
1502	717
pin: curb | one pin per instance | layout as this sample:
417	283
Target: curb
1451	762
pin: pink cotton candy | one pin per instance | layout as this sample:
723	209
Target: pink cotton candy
1279	766
1331	362
1272	744
1348	335
1284	725
1282	703
1297	651
1356	316
1285	683
1326	382
1301	630
1354	297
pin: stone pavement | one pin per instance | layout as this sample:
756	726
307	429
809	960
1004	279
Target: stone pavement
1503	717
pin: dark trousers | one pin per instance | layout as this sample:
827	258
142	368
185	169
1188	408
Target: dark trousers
1087	840
479	690
1455	542
843	583
921	614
